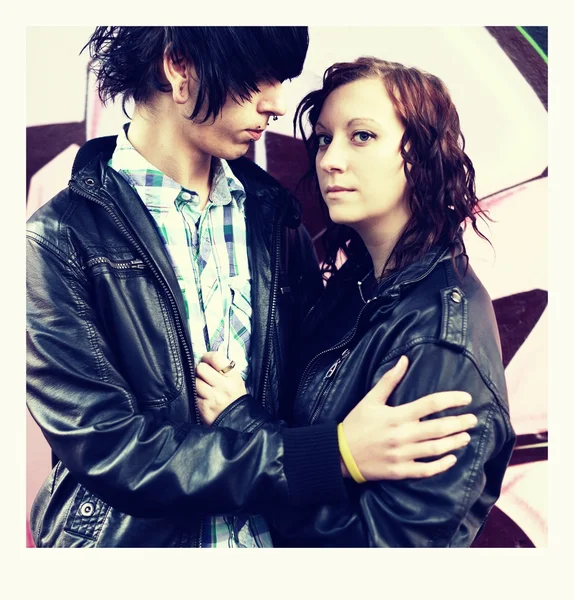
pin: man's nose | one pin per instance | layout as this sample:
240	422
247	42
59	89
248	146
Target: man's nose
272	99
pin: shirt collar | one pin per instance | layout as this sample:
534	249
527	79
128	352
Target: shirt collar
141	173
225	185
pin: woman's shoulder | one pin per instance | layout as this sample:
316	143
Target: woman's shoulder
450	279
449	299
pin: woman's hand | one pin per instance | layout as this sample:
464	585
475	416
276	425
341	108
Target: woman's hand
386	442
216	390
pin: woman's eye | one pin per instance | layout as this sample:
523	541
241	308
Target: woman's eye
363	136
323	140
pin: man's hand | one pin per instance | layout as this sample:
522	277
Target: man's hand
216	391
385	440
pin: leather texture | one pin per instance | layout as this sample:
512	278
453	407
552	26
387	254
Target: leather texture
442	319
110	373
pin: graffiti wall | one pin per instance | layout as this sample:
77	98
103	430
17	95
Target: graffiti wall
498	80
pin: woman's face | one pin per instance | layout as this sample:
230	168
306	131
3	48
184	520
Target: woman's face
359	166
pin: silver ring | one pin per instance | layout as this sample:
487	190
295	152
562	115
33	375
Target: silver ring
227	368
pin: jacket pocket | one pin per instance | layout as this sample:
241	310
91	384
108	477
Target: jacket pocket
87	515
133	320
64	514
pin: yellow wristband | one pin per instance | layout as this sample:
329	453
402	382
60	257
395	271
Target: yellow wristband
348	457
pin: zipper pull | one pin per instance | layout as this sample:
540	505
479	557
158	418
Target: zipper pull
341	358
136	263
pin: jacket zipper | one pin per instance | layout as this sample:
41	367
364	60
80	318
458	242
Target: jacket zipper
198	543
340	345
159	278
178	324
335	367
327	382
347	339
274	286
131	264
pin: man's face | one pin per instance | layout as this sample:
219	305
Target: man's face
238	125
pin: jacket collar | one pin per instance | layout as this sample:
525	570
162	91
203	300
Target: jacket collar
416	271
92	159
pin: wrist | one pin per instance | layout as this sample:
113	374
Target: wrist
344	470
347	456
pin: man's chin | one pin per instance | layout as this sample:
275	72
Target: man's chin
236	151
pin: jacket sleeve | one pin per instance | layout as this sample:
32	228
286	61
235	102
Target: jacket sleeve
244	414
132	460
418	512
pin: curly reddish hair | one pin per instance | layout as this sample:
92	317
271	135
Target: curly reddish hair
440	176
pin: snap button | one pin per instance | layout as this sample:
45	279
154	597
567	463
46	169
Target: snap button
185	196
455	297
87	509
89	181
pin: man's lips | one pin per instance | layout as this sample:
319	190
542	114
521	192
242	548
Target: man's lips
255	134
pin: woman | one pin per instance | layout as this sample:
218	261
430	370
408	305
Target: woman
389	162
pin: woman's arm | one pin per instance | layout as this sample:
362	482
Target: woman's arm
440	511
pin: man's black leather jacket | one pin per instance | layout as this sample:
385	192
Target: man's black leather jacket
443	321
110	373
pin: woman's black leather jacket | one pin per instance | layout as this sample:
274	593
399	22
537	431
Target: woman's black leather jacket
443	320
110	373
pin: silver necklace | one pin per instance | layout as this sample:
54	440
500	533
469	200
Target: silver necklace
360	284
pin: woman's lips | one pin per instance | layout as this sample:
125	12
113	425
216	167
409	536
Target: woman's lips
337	190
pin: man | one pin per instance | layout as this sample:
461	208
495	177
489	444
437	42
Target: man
158	251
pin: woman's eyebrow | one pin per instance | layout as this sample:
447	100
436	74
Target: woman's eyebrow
354	121
362	120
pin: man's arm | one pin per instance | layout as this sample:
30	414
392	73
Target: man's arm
376	433
132	460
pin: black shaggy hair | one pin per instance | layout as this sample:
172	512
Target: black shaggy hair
127	61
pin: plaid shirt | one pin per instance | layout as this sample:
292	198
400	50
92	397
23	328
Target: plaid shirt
208	253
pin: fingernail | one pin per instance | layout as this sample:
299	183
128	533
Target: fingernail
401	361
466	438
472	420
465	397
